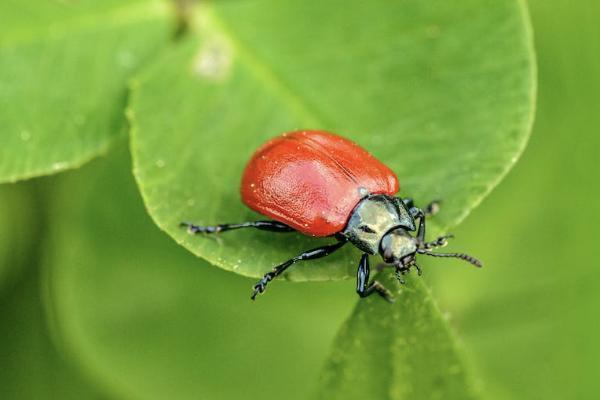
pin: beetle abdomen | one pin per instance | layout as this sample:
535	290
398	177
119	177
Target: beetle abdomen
312	180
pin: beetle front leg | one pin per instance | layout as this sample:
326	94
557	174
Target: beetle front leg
439	242
313	254
363	287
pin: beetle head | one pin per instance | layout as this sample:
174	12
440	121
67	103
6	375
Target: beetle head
398	247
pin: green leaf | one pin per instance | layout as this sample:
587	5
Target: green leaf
63	68
399	351
32	368
530	320
440	91
17	215
146	319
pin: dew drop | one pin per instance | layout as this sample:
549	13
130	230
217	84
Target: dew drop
213	60
126	59
454	369
191	202
160	163
432	31
25	135
79	119
59	165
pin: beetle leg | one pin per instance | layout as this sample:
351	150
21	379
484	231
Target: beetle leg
439	242
365	288
273	226
307	255
431	209
408	202
421	229
412	209
401	270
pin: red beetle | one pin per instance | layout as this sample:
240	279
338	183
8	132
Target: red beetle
321	184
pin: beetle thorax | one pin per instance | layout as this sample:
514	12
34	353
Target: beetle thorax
373	217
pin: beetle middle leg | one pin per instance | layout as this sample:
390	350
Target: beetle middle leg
365	288
312	254
272	226
431	208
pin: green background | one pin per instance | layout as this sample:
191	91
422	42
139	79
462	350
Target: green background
527	322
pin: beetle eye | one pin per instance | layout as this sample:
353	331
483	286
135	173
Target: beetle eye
366	228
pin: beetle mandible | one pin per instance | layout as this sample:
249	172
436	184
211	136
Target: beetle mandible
320	184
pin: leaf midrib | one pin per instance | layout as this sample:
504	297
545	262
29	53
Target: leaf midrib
209	23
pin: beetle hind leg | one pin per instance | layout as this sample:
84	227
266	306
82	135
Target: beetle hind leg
272	226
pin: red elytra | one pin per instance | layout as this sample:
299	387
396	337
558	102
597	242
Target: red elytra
312	180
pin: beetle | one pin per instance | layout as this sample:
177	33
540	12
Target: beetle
323	185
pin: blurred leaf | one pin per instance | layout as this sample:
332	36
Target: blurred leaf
399	351
441	91
63	68
31	368
530	320
148	320
17	218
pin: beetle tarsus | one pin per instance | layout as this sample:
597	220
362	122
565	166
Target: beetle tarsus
399	274
261	286
432	208
419	271
195	229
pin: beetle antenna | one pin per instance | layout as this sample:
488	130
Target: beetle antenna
462	256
